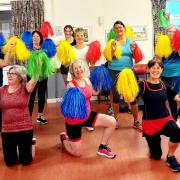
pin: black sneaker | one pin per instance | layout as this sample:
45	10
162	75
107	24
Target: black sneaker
41	120
172	162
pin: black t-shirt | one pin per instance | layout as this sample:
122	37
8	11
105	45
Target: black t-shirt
155	97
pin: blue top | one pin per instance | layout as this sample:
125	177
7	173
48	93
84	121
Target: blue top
171	65
125	61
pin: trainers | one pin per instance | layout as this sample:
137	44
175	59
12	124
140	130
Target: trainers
90	128
137	125
63	136
172	162
41	120
105	151
110	111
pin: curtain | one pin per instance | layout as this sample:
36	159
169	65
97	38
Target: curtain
27	15
156	6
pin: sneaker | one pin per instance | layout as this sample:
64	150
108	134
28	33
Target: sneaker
41	120
90	128
63	136
105	151
33	141
172	162
110	111
137	125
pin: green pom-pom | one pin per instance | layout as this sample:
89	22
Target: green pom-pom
111	34
39	66
163	20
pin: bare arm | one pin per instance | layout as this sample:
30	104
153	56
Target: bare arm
6	60
95	93
30	85
177	98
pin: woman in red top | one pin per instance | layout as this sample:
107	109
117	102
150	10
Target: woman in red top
72	140
17	129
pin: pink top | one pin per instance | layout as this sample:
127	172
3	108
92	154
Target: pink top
86	90
15	112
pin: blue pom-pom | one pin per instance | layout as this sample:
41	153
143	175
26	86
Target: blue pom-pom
49	47
27	39
2	40
101	79
73	105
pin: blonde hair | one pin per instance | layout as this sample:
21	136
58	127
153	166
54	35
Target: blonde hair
20	71
75	62
171	26
79	30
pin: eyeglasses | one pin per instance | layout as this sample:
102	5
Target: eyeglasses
11	74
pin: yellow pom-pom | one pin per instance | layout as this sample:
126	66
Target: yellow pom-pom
19	50
108	51
163	46
127	85
65	52
129	32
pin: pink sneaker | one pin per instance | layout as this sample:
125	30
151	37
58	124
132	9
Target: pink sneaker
105	151
137	125
63	136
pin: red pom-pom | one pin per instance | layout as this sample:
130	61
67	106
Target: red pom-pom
137	54
176	40
46	30
94	52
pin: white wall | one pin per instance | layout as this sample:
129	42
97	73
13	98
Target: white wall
86	12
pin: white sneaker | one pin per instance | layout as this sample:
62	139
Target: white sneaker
90	128
178	122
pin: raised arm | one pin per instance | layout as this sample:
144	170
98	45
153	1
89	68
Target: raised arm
6	60
30	85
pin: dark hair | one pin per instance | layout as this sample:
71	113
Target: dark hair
119	22
40	35
154	61
68	26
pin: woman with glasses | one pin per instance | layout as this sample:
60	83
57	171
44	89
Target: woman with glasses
17	129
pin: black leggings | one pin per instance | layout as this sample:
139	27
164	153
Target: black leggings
42	87
172	103
21	140
171	130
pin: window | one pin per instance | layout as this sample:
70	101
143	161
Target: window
5	20
173	8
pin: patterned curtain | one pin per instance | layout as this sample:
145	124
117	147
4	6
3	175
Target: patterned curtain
27	15
156	6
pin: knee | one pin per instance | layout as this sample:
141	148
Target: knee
77	153
113	122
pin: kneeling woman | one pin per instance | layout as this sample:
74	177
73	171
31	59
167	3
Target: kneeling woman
17	129
72	140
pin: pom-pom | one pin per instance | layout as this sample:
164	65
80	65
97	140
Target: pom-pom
73	105
163	18
176	84
94	52
176	40
27	39
101	79
108	51
127	85
163	46
2	40
129	32
39	66
137	54
46	29
65	53
111	34
49	47
20	50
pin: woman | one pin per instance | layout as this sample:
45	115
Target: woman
117	65
171	70
157	119
41	85
17	129
80	50
69	36
72	140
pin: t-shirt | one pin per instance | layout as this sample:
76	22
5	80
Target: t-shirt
15	112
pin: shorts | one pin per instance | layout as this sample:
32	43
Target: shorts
74	131
64	69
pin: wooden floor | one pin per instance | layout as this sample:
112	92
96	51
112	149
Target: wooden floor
51	163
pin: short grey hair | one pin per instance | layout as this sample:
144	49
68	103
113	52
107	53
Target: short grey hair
20	71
